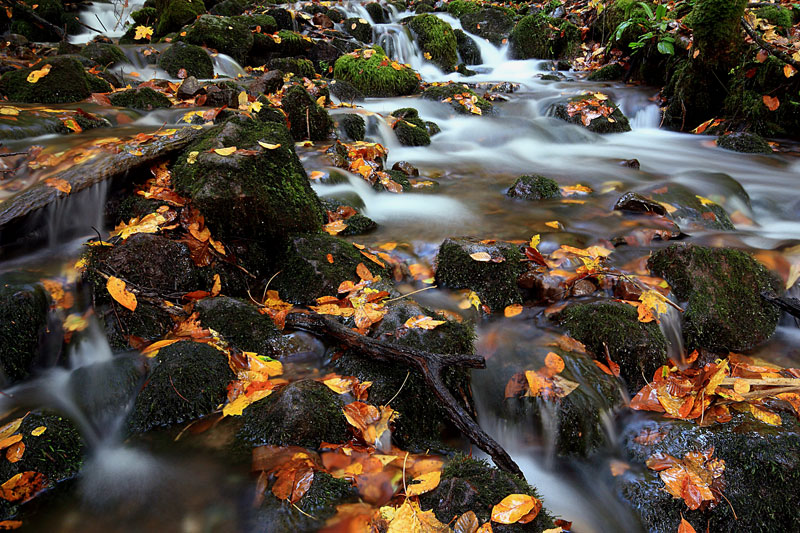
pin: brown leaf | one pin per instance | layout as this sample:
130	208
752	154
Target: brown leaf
771	102
23	486
119	291
467	523
59	184
15	452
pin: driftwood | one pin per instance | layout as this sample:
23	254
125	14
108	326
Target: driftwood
430	365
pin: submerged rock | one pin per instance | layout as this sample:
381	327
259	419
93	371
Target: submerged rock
23	318
581	110
748	143
239	323
193	59
66	81
367	73
688	210
143	98
436	39
535	187
541	37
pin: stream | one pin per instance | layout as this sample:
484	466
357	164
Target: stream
159	484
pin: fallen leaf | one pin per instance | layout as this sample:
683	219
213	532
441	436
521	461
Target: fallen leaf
15	452
512	310
23	486
789	71
514	507
423	322
39	431
10	524
685	527
424	483
59	184
192	157
409	518
143	32
481	256
467	523
119	291
36	75
771	102
269	146
225	151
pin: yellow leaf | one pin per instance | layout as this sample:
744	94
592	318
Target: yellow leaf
654	301
269	146
39	431
321	100
143	32
424	483
409	518
217	286
513	507
512	310
150	223
119	291
36	75
768	417
481	256
9	111
243	100
600	96
474	300
256	106
10	428
192	157
535	240
704	200
237	406
422	322
553	224
669	207
152	350
59	184
225	151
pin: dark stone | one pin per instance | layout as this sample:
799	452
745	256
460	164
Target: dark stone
23	318
143	98
352	126
66	82
222	94
239	323
409	128
636	203
268	83
490	23
406	168
615	122
630	163
534	187
345	91
358	28
189	88
748	143
193	59
307	119
611	72
104	54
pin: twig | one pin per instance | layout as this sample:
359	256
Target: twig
13	153
396	394
410	293
767	47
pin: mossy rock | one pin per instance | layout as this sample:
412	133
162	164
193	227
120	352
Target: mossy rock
358	224
299	67
359	28
352	126
266	196
143	98
535	187
57	453
468	50
777	15
489	23
748	143
345	91
104	391
761	462
421	418
283	18
495	283
193	59
304	413
23	318
690	212
104	54
612	72
723	289
459	8
51	10
174	14
189	381
239	323
266	22
541	37
615	122
469	484
377	12
307	119
66	82
306	273
442	93
224	34
371	77
228	8
409	128
638	348
435	37
145	16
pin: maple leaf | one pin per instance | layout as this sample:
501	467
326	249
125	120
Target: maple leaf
143	32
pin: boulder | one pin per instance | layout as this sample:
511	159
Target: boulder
538	36
66	81
598	116
307	119
143	98
365	71
535	187
23	319
239	323
436	39
193	59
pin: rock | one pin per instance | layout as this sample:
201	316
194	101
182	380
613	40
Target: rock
67	81
723	289
147	324
440	93
227	8
748	143
304	413
490	23
540	287
283	18
468	50
630	163
351	126
638	348
222	93
614	122
358	28
183	56
51	10
459	8
365	73
23	319
299	67
103	391
634	202
189	381
173	14
239	323
189	88
541	37
224	34
494	281
469	484
272	114
345	91
322	21
104	54
266	197
535	187
376	12
307	119
610	72
688	210
143	98
145	16
358	224
409	128
268	83
406	168
254	21
436	39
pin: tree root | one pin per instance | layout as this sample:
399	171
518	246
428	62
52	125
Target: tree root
783	56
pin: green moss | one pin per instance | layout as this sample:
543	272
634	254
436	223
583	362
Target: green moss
66	82
541	37
307	119
104	54
372	78
292	44
440	93
352	126
143	98
145	16
50	10
266	22
638	348
358	28
436	38
491	23
748	143
358	224
266	197
409	128
778	15
615	122
611	72
173	14
228	8
23	317
239	323
468	50
194	59
299	67
723	288
224	34
376	12
190	381
457	8
535	187
494	283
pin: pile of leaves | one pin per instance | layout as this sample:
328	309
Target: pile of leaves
589	109
367	160
697	479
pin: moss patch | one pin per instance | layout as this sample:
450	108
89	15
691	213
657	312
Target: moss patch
307	119
239	323
66	82
436	38
352	126
748	143
143	98
173	14
534	187
104	54
23	317
194	59
409	128
374	75
542	37
224	34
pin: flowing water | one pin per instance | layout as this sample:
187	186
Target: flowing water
474	160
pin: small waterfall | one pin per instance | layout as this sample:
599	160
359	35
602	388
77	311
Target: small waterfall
106	19
672	328
74	215
648	117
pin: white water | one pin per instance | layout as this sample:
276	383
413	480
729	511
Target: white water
109	19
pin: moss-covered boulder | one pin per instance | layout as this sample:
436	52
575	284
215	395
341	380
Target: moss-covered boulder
191	58
359	28
224	34
307	119
638	348
143	98
760	462
297	66
304	413
494	281
145	16
372	73
458	8
352	127
24	14
460	98
190	380
469	484
723	289
748	143
598	116
104	54
541	37
468	50
264	196
409	128
688	210
534	187
491	23
239	323
306	273
228	8
66	81
610	72
436	39
23	318
174	14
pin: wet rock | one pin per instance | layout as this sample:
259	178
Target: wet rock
469	484
272	114
406	168
615	122
224	34
583	287
239	323
370	78
358	28
265	196
145	16
377	12
638	348
124	328
409	128
634	202
307	119
304	413
227	8
359	224
541	37
535	187
435	38
540	287
283	18
440	93
183	56
611	72
761	462
490	23
104	391
23	318
143	98
104	54
189	88
268	83
222	94
748	143
345	91
299	67
51	10
723	289
687	209
67	81
173	14
630	163
254	21
352	127
494	281
322	21
189	381
459	8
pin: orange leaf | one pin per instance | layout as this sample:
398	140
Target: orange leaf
8	441
513	507
10	524
59	184
789	71
685	527
554	363
119	291
512	310
15	452
364	273
23	486
771	102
